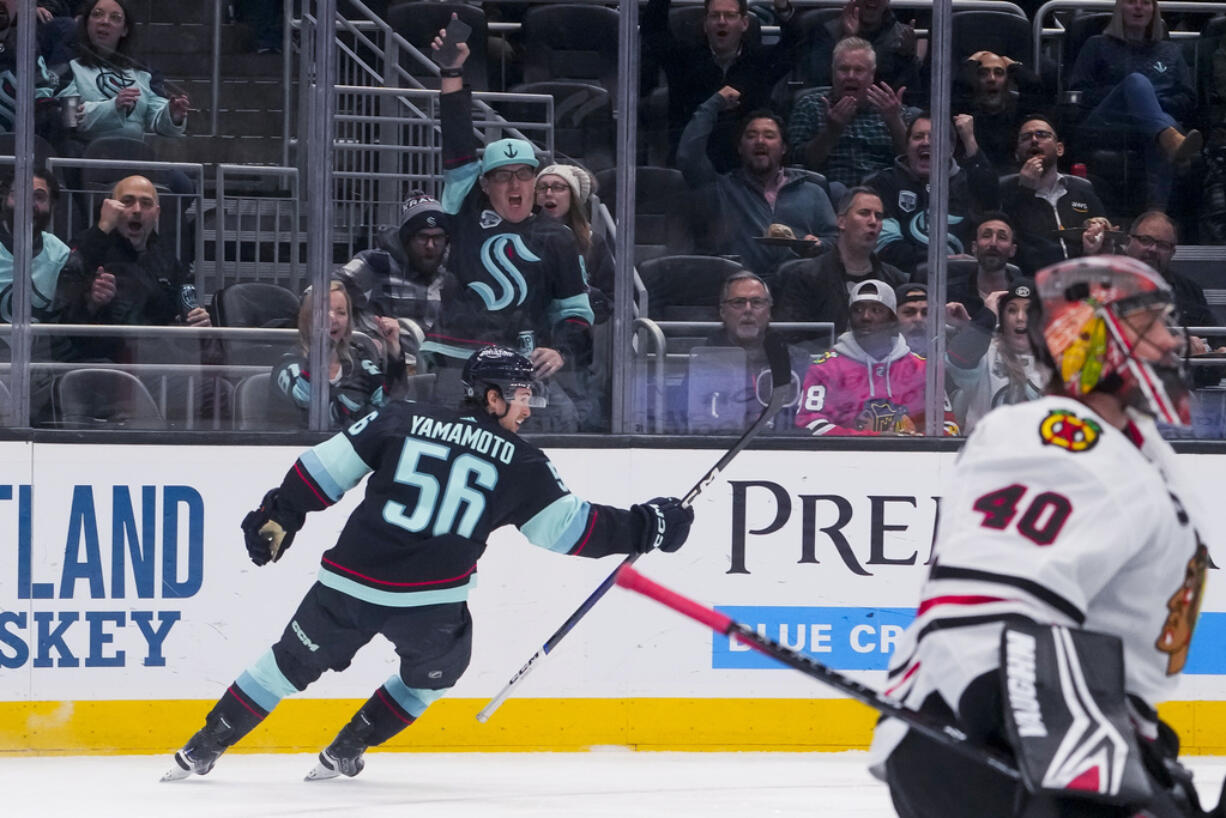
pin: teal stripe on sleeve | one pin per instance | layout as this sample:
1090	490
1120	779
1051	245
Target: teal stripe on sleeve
264	682
457	183
414	700
577	306
559	525
394	599
335	466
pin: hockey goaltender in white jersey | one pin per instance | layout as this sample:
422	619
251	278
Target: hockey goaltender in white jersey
1070	510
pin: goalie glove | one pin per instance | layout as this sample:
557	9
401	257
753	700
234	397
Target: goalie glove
269	531
666	524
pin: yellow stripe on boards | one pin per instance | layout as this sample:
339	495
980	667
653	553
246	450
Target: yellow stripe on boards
520	725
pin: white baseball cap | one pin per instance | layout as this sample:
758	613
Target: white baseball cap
874	290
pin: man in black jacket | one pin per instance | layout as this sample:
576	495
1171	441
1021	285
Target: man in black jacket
696	70
120	273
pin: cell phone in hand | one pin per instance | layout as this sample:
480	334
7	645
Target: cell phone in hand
457	32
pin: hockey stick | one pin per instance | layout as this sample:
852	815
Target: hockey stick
939	730
781	378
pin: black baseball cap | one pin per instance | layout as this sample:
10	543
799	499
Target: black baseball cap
909	292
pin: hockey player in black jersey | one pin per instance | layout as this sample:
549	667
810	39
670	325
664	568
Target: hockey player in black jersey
521	280
440	481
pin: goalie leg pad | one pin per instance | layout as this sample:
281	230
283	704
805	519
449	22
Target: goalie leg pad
1066	715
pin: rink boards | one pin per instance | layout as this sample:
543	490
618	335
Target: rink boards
127	604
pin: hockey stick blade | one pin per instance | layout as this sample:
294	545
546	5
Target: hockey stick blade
781	379
939	730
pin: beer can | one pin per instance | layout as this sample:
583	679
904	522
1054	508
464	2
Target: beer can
527	343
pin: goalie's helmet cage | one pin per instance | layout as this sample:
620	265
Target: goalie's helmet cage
504	369
1084	302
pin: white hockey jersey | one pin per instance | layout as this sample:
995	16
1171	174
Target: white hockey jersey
1059	517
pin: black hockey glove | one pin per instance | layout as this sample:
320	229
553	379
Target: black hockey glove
269	530
666	523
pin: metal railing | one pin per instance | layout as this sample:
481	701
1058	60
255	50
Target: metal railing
255	236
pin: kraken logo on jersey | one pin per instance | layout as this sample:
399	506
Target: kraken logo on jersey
1184	608
498	255
1069	432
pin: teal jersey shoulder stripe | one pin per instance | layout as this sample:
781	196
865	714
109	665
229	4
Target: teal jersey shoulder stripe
446	350
577	306
559	525
394	599
335	466
457	183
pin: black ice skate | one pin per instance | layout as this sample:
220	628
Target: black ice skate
343	756
197	756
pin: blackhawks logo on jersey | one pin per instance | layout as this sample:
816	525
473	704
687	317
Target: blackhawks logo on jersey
1184	608
1069	432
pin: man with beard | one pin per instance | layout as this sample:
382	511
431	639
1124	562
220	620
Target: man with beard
1049	209
818	290
872	20
997	92
912	302
759	193
727	389
120	273
50	253
973	188
871	383
696	70
403	275
855	127
972	281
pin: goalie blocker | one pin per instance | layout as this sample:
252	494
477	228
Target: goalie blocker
1057	704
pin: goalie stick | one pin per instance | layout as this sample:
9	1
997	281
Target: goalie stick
781	378
938	730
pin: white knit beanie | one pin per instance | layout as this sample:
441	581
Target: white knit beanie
580	180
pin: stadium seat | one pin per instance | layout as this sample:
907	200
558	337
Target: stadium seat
1000	32
686	24
258	407
662	213
102	398
684	288
571	42
255	304
583	125
419	21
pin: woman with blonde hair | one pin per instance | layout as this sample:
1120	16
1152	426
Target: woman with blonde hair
356	369
1131	77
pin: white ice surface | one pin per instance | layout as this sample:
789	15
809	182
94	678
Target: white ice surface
467	785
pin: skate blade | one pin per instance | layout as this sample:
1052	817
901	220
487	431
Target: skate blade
175	773
321	773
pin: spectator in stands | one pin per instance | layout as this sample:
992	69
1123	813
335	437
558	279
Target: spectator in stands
871	383
760	192
973	188
894	44
563	193
855	127
1131	77
1152	239
818	290
971	281
1047	208
356	380
118	96
120	273
403	276
723	398
697	70
912	300
47	118
996	367
997	91
520	275
50	254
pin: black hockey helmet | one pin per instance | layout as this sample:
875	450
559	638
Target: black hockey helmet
504	369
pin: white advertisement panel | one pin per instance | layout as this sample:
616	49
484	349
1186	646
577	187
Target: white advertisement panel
125	576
